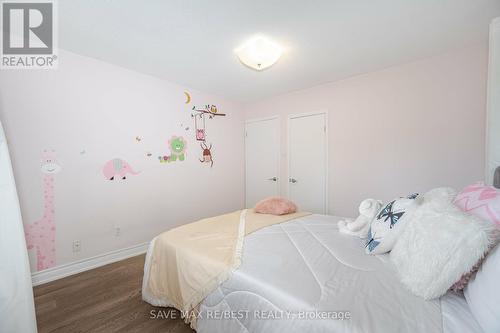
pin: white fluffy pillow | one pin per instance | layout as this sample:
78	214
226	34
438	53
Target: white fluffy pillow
438	245
483	293
447	194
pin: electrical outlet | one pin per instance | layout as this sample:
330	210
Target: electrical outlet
118	231
77	246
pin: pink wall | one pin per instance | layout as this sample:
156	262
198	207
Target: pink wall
89	112
403	129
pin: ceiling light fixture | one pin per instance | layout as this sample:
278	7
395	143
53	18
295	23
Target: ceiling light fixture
259	53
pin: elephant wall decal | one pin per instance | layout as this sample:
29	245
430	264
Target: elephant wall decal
117	167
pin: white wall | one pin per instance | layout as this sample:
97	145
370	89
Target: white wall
92	106
16	293
493	114
404	129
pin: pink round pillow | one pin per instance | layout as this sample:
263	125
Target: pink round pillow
275	206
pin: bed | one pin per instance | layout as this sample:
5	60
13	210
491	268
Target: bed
303	275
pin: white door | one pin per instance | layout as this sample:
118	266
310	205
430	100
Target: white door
262	159
308	162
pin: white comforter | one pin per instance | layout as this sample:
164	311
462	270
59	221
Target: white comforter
305	267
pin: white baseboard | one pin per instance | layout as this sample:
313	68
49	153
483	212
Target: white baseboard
59	272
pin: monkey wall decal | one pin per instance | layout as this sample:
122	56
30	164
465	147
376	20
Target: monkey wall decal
207	154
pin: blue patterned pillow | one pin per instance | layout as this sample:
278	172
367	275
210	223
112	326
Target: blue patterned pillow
388	224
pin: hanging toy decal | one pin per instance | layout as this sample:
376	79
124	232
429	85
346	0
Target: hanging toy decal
199	127
199	120
207	154
177	146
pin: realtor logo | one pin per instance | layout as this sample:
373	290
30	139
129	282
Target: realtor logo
28	35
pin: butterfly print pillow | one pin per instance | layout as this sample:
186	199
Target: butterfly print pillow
388	224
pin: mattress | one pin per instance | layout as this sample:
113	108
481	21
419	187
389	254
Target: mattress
304	276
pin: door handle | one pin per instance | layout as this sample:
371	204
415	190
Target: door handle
292	180
274	179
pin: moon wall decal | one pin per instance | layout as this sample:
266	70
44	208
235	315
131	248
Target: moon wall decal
188	97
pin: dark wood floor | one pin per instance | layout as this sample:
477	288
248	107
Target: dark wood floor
105	299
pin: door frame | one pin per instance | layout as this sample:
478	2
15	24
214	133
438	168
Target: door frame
324	112
256	120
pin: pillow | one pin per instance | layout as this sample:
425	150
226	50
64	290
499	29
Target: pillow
438	245
388	224
484	202
464	280
275	206
483	292
480	200
441	193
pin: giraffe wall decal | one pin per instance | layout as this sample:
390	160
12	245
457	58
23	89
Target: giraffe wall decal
41	234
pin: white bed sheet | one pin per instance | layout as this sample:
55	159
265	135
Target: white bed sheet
457	316
306	267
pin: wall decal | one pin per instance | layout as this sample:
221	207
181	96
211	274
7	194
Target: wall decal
200	127
148	154
199	119
164	159
117	167
138	139
211	110
177	146
82	152
41	234
188	97
207	154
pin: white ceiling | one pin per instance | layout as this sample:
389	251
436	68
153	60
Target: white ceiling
191	42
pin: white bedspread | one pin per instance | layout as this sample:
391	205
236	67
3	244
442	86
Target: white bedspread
306	267
457	316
